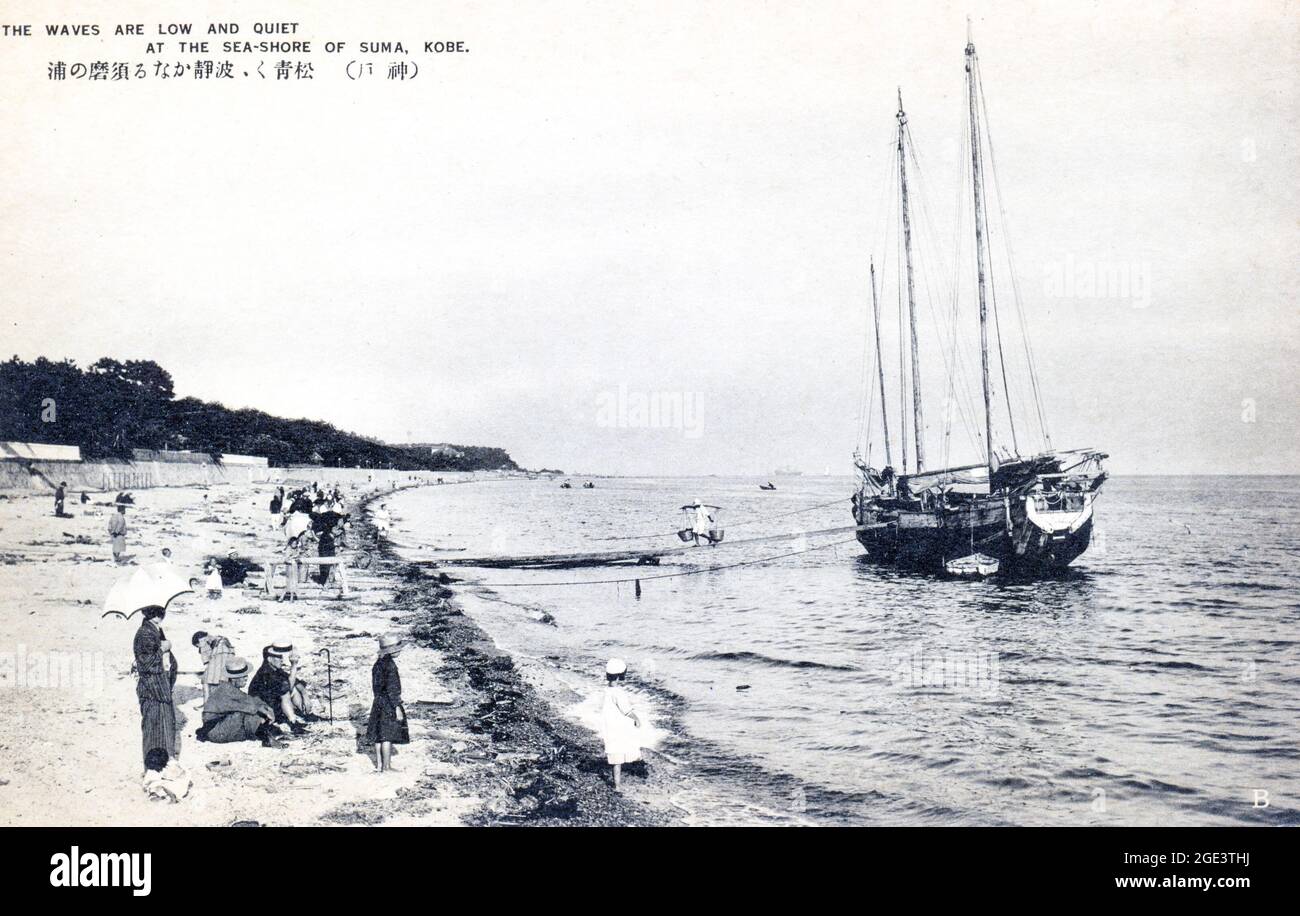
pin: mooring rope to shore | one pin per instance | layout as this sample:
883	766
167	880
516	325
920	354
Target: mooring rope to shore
673	575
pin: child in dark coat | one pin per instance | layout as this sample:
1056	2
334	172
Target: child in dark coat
387	724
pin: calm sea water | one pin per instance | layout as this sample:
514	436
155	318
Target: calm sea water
1157	684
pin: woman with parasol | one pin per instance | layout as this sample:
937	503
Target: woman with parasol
148	592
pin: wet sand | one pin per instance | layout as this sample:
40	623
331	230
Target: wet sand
485	747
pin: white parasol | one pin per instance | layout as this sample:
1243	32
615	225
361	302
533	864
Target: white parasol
156	584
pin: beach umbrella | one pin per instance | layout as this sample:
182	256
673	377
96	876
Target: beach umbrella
147	586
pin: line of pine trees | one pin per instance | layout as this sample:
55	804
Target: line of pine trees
112	407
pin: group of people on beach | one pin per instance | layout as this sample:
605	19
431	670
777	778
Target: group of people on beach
60	496
277	703
314	523
276	700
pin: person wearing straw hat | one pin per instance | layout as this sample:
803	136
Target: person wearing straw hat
155	668
273	685
387	725
622	725
230	715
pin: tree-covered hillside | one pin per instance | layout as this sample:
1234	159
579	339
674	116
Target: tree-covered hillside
112	407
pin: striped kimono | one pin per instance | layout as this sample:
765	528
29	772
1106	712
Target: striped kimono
154	690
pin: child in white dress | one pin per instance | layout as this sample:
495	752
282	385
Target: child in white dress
213	583
622	725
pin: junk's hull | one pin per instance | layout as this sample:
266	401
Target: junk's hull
1027	541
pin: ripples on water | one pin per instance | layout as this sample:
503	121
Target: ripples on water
1158	683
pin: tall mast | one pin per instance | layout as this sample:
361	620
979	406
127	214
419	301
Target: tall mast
880	365
918	428
977	182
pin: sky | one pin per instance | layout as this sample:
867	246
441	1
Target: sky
600	209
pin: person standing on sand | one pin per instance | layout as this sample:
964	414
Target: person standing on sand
381	518
59	494
298	538
387	725
155	668
214	650
117	531
622	731
325	526
213	582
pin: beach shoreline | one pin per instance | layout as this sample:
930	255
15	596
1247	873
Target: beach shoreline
551	770
485	747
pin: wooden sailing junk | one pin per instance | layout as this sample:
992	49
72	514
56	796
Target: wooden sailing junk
1013	515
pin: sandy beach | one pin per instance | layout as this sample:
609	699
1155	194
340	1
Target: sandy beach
485	748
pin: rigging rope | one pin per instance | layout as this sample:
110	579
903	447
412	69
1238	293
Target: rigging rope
997	324
902	357
867	386
1015	281
952	368
958	234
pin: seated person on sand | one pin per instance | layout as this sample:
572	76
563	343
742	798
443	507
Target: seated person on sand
231	715
164	778
213	650
274	686
299	695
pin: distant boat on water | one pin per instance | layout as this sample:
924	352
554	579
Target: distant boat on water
1011	514
787	472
